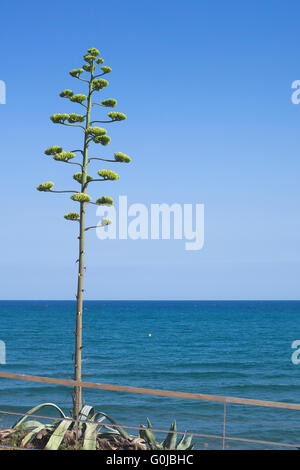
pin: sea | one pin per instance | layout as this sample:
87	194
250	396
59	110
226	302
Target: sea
240	349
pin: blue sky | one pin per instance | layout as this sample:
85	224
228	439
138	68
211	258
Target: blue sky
206	87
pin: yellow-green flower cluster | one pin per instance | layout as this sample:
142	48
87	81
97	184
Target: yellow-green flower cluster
75	118
59	118
63	156
105	69
71	118
78	98
95	131
81	197
88	58
122	157
53	150
105	221
103	140
88	68
98	135
116	116
99	83
109	103
108	175
105	201
78	177
72	216
47	186
94	52
76	72
66	94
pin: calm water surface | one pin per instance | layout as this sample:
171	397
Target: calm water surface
240	349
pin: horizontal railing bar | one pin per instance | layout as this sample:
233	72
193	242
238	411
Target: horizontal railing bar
149	391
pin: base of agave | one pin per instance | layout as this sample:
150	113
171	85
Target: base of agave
11	438
92	431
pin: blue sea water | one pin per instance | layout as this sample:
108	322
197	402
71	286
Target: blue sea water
233	348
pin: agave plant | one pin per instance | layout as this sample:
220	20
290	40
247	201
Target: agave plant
169	443
90	433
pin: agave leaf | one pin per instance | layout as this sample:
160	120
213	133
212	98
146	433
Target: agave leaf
170	441
32	424
159	447
86	413
95	418
90	436
149	423
149	433
188	441
37	408
180	445
185	444
58	435
149	436
105	426
120	430
110	429
31	434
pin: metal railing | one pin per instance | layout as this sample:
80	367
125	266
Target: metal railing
222	438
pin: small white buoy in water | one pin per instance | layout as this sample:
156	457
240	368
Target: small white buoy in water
149	335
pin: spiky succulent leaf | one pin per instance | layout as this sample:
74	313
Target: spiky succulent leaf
99	83
87	412
149	437
108	175
58	435
72	216
32	434
150	433
53	150
105	201
119	429
81	197
117	116
122	157
170	440
31	424
185	444
34	411
90	436
44	187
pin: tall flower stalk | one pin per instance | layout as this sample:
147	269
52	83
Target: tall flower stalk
91	134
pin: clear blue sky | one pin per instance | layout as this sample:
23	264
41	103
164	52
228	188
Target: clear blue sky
206	87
